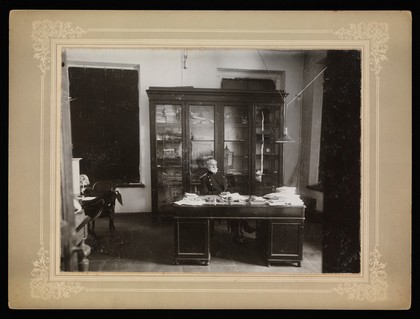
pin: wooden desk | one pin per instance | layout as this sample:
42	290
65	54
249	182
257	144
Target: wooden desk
279	231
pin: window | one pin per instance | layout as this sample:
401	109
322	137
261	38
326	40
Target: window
104	106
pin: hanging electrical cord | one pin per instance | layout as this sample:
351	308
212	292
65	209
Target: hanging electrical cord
285	137
319	74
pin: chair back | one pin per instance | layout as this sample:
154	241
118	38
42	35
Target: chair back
103	186
106	190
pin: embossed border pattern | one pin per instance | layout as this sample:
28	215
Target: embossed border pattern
45	30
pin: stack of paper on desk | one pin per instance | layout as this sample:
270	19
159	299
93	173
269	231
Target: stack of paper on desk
294	201
234	196
190	195
190	202
276	202
276	196
257	203
286	190
286	196
257	200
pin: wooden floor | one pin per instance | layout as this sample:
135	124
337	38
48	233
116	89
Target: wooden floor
140	244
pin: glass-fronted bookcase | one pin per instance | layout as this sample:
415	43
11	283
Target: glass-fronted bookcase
236	127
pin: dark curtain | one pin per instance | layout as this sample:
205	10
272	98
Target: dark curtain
340	162
105	123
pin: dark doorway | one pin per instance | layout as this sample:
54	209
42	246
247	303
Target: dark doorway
340	162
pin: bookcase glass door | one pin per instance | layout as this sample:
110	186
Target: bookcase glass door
236	148
201	139
192	124
169	154
267	152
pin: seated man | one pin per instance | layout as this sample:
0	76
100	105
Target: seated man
214	183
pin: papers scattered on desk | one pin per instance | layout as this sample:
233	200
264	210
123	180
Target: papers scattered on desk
284	196
295	201
276	202
285	202
190	195
233	196
190	201
238	203
257	200
287	197
274	196
258	203
286	190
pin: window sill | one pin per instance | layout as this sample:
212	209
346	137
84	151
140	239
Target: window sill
131	185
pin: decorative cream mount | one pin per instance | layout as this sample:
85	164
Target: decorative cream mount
43	31
42	287
376	33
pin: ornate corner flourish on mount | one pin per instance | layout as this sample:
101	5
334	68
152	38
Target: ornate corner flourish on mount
42	288
375	290
378	35
43	31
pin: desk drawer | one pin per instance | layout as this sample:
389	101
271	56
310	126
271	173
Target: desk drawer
283	211
246	211
281	240
191	240
81	221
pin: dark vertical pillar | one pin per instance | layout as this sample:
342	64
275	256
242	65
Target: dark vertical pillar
340	162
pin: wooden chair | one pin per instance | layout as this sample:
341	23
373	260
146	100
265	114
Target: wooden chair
104	203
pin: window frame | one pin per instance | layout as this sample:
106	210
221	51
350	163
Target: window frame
113	65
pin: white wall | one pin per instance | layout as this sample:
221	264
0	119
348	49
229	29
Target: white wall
312	100
165	68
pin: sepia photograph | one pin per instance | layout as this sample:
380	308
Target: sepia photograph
210	160
242	149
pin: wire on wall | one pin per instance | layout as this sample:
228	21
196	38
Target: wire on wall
184	66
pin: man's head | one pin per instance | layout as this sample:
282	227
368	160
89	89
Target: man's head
212	165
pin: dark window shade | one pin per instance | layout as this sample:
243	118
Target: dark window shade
105	122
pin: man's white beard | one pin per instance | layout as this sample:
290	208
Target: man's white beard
213	170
